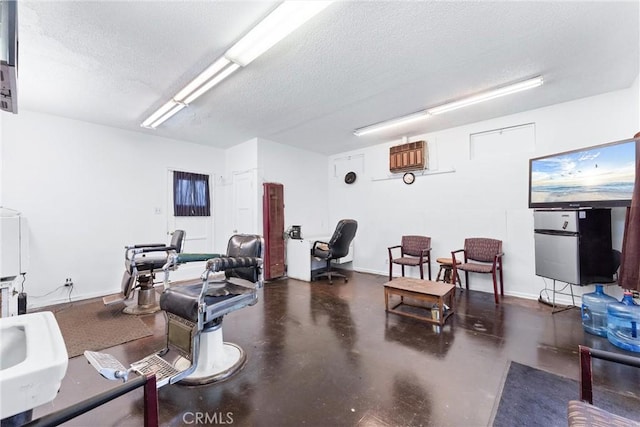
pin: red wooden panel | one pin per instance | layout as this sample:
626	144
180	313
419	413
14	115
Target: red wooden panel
273	230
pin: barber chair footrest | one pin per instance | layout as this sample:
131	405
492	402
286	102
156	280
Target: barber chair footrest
113	299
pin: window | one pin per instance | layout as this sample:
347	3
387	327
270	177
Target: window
190	194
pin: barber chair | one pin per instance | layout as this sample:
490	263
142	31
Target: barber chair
142	262
195	353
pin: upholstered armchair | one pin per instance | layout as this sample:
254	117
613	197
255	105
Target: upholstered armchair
414	251
583	412
480	255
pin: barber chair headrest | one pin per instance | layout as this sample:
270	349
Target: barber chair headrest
245	245
177	239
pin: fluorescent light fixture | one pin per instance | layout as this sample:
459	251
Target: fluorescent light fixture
160	112
450	106
177	107
485	96
288	16
276	26
205	76
391	123
211	83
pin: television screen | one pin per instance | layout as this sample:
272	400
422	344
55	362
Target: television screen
598	176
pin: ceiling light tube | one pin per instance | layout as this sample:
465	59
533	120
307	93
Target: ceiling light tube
158	113
391	123
205	81
485	96
177	107
205	76
276	26
211	83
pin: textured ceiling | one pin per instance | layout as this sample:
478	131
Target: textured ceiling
354	64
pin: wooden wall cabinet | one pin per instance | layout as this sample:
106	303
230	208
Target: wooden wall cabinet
409	156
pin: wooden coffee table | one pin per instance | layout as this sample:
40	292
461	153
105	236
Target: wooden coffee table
421	290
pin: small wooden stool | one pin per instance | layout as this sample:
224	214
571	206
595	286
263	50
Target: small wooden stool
446	269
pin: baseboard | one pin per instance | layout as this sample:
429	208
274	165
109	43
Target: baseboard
74	297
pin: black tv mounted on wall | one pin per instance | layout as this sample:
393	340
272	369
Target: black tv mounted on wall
9	56
598	176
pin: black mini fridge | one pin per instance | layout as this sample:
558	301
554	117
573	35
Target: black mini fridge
574	246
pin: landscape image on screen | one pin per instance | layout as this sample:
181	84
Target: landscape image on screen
597	174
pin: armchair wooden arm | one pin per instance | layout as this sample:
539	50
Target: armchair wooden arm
453	255
391	248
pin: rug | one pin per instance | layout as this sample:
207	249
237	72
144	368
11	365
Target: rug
531	397
94	326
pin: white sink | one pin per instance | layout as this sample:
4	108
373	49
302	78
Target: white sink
33	361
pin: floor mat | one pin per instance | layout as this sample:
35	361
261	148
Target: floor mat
531	397
92	326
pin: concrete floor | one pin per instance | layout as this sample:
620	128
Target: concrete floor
324	355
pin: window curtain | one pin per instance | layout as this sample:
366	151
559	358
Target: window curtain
190	194
629	277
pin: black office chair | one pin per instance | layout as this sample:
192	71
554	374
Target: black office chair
335	248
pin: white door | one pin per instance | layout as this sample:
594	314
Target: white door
198	232
245	202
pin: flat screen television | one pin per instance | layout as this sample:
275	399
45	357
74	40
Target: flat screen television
598	176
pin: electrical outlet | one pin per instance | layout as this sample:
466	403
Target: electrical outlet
68	282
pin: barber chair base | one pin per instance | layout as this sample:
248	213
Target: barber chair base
147	302
217	360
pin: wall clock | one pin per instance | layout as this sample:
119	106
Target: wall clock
408	178
350	177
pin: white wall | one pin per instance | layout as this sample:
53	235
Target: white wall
303	175
485	198
87	191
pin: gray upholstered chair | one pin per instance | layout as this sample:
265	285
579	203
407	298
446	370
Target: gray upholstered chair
414	251
480	255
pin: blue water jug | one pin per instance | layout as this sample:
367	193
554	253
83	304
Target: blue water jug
594	311
622	323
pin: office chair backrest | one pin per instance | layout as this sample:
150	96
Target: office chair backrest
342	237
415	245
177	240
616	256
482	249
241	245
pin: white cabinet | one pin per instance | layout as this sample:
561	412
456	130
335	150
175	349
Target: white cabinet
300	263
